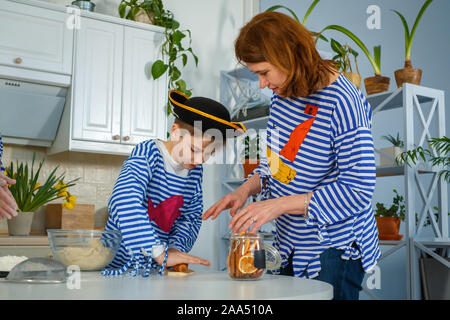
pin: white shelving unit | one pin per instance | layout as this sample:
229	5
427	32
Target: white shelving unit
415	100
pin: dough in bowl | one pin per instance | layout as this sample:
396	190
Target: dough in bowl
91	258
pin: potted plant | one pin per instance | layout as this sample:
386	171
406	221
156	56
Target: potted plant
173	46
375	84
30	195
437	146
395	151
251	154
342	61
84	4
409	74
388	220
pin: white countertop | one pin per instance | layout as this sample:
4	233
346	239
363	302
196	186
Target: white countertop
202	285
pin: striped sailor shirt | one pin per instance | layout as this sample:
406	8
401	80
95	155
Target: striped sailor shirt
144	176
336	162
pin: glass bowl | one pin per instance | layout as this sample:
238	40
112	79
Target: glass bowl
90	250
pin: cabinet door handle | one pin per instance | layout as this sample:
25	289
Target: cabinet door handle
126	138
116	137
18	60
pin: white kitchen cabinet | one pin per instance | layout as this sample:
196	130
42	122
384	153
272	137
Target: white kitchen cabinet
35	38
97	81
143	99
114	103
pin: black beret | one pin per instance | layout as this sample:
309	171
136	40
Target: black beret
212	114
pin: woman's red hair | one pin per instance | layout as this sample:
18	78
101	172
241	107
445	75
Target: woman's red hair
285	43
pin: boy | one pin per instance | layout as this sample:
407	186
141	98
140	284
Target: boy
157	199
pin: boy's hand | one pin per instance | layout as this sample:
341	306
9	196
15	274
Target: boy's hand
175	256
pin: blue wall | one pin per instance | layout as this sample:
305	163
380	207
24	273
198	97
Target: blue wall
430	52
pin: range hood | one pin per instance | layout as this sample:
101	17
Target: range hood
30	113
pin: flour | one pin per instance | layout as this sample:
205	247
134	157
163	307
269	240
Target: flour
9	262
91	258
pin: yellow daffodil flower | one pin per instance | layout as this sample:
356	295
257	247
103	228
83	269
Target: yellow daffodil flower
63	194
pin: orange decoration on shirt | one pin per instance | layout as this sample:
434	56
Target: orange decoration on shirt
296	138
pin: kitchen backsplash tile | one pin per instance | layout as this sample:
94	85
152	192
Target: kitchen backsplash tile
97	172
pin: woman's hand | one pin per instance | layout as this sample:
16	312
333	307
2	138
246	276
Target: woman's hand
235	200
175	256
8	206
257	213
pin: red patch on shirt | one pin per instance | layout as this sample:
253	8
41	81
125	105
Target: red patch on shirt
311	110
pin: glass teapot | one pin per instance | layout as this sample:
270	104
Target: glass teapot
249	256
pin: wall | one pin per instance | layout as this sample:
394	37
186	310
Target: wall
429	53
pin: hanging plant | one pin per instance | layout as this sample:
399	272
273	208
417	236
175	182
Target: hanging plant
176	47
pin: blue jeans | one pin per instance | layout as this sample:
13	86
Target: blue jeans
345	276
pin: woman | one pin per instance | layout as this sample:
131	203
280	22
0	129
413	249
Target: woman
318	177
8	206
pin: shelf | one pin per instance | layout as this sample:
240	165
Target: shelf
381	171
435	243
256	123
390	100
30	241
388	171
391	242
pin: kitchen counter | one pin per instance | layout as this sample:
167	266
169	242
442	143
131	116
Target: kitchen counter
202	285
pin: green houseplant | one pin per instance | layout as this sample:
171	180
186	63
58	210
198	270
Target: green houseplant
438	154
251	156
342	60
175	46
30	195
395	151
388	219
409	74
375	84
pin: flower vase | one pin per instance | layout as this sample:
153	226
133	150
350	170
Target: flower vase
21	224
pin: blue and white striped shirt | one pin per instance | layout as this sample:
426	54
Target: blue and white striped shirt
144	176
336	161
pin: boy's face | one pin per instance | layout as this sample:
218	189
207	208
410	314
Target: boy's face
191	150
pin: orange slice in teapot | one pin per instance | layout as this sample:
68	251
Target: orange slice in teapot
246	264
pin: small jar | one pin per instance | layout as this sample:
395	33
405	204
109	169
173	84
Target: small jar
246	258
